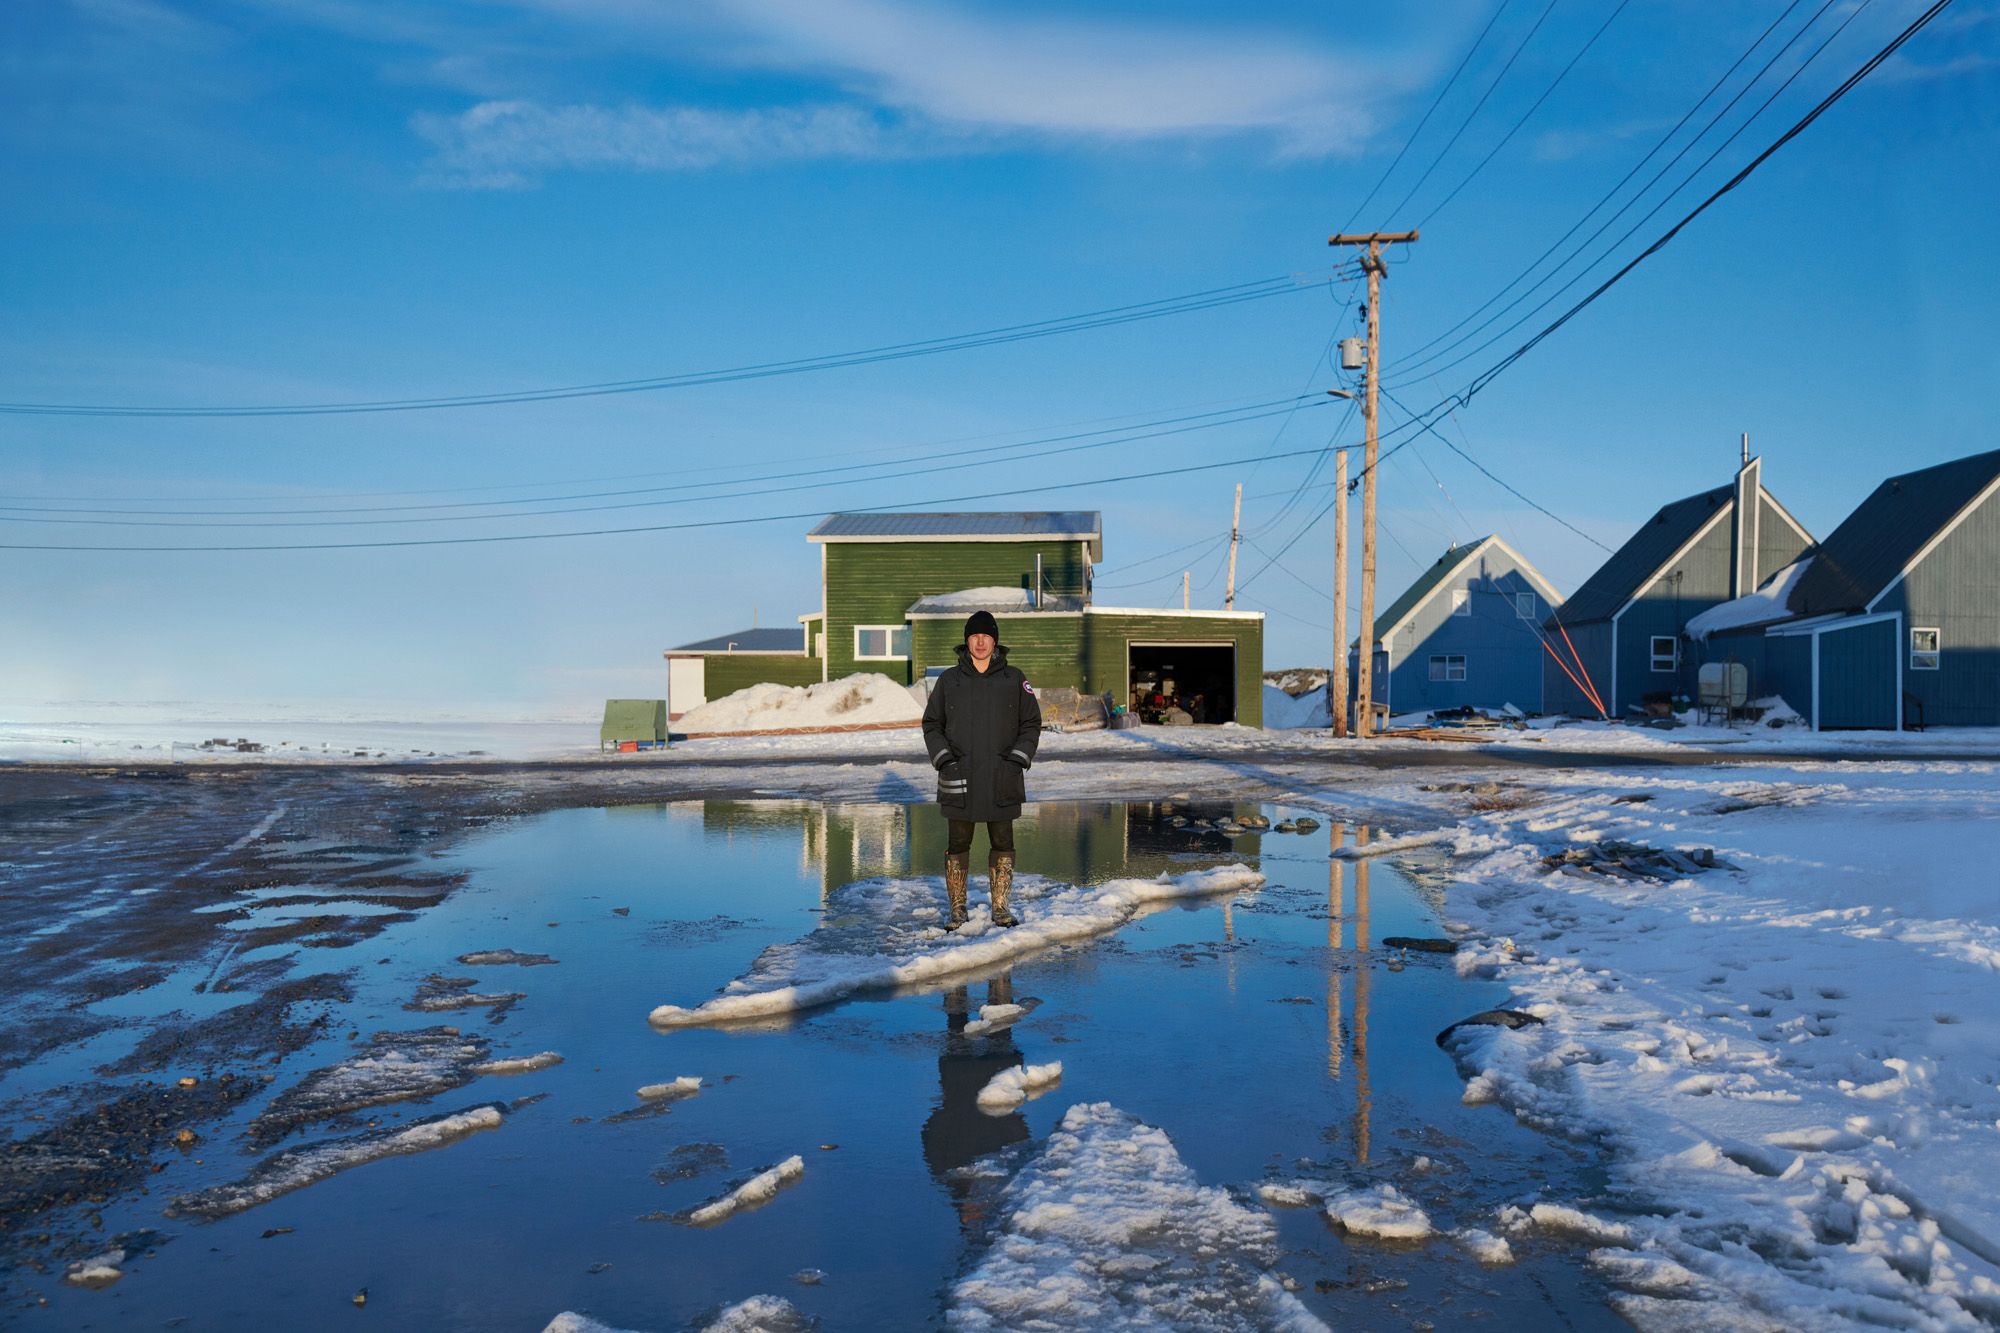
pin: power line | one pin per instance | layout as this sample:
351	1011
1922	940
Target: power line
1611	193
1473	114
1854	13
1430	111
1203	420
1799	127
1526	116
1149	475
1210	299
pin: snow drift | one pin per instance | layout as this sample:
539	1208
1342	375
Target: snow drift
865	698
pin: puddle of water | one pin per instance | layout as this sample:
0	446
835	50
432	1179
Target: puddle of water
1265	1032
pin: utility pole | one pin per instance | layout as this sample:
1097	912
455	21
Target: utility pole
1365	663
1184	590
1336	685
1235	526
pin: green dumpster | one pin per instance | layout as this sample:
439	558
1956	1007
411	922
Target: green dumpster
636	724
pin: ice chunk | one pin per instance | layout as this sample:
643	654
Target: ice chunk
1560	1217
1281	1195
1016	1084
752	1194
684	1086
284	1172
99	1270
759	1314
1109	1228
882	934
1486	1247
497	957
519	1064
1381	1211
395	1066
993	1017
571	1322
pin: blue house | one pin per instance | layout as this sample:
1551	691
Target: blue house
1464	633
1892	621
1620	635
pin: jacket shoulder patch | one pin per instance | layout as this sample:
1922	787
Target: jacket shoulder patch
1026	686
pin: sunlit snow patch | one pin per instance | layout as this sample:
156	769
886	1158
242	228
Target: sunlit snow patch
753	1193
1108	1227
97	1271
1486	1247
284	1172
684	1086
882	934
519	1064
993	1017
759	1314
569	1321
1381	1211
1016	1084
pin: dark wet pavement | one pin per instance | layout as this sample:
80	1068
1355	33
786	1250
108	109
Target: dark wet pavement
1268	1033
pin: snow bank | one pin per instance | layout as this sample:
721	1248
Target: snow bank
759	1314
684	1086
1381	1211
993	1017
1287	712
288	1171
1761	607
519	1064
752	1194
883	934
1016	1084
865	697
1109	1228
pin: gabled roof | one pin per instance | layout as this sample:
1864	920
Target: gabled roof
1063	525
1440	572
1634	565
1866	554
791	640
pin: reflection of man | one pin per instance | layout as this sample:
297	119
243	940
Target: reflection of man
958	1132
981	727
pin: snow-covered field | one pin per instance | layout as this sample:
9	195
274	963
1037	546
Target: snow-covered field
1793	1058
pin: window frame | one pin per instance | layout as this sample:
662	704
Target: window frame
1461	601
1440	668
1674	657
1935	652
1533	613
891	631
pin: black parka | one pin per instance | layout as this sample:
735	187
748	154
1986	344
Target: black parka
981	729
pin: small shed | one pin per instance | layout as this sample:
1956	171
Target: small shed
641	723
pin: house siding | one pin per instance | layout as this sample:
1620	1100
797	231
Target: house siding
1664	607
726	673
1857	675
1592	644
1502	651
874	583
1778	543
1956	590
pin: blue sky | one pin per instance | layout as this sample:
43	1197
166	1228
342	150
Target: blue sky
270	201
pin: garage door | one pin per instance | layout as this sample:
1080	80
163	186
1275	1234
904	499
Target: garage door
1857	676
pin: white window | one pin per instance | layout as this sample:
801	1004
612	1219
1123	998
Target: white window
1461	602
1449	666
1924	644
1666	652
881	643
1524	605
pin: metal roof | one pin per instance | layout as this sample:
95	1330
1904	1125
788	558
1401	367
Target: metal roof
792	640
1634	565
1863	556
1072	525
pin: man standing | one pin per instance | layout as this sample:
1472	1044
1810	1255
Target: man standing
981	726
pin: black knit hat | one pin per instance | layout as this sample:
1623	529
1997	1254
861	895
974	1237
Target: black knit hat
982	622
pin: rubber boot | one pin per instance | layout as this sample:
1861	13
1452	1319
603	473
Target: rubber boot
957	869
1000	873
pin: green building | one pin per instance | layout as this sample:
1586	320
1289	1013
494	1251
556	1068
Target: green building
895	590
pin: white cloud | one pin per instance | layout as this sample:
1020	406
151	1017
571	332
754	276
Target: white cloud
509	144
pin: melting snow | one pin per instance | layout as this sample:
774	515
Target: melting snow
519	1064
286	1171
396	1066
759	1314
497	957
993	1017
865	697
1486	1247
684	1086
1109	1228
1382	1211
752	1194
1016	1084
883	934
97	1271
1761	607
